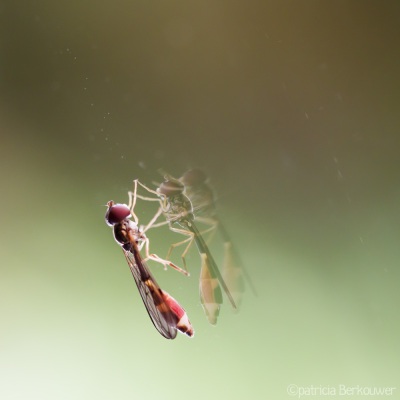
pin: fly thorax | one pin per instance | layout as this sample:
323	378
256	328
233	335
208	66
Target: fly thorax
124	230
121	233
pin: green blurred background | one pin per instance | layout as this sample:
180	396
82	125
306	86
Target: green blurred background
291	107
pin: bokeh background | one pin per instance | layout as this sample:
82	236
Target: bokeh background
292	109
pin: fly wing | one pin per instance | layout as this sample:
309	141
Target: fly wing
153	297
234	271
210	291
232	274
213	269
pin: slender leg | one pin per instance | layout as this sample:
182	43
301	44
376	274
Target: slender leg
147	198
134	196
160	260
189	242
148	189
156	225
162	199
132	202
151	223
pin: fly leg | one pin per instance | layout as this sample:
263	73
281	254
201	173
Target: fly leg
160	260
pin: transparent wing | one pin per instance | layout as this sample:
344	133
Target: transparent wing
213	269
232	259
159	311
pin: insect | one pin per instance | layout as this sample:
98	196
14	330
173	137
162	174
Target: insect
167	315
202	197
177	208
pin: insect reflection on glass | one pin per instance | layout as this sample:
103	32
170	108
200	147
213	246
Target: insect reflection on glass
165	312
177	208
202	197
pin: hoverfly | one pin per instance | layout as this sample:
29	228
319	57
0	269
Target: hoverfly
167	315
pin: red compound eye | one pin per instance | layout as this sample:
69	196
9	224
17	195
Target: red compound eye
116	213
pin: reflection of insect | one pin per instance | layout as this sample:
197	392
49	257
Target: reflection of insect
202	198
177	208
165	312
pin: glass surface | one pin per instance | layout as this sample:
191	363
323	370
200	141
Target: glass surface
291	108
